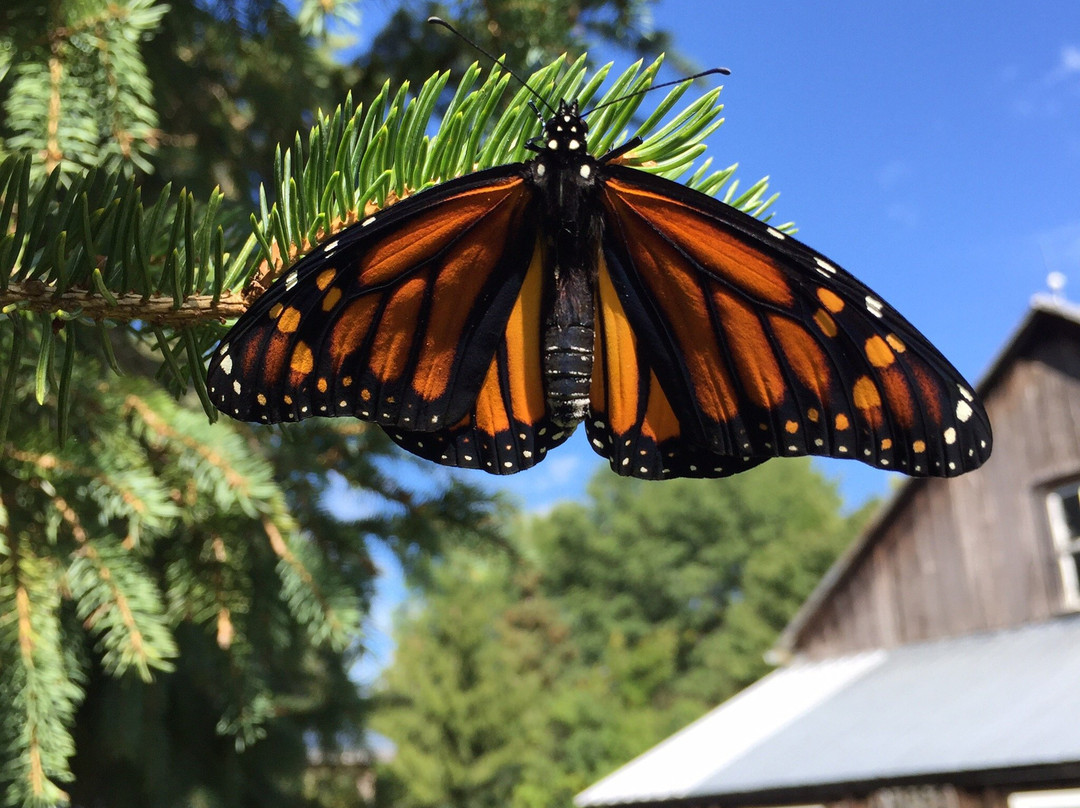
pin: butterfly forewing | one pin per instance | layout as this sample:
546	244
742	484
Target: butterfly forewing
395	320
765	348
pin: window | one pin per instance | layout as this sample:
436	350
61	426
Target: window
1063	504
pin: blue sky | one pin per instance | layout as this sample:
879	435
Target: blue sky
931	148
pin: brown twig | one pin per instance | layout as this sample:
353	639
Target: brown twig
41	297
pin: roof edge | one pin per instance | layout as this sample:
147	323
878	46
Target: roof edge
1062	775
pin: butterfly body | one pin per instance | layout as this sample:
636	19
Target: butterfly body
564	175
481	321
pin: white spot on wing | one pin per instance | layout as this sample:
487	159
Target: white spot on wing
586	170
772	231
874	306
950	436
963	410
226	364
290	280
823	266
367	221
236	387
573	144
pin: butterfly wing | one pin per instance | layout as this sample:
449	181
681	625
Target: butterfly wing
756	346
632	420
416	319
508	427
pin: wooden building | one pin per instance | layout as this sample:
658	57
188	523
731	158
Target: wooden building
937	664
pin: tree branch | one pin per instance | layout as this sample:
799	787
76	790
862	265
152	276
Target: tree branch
43	298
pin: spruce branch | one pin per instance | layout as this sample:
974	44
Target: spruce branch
34	674
90	251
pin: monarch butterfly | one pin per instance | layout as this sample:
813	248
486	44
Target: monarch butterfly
480	321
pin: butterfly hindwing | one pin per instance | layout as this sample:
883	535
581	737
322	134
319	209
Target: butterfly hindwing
509	427
632	422
765	348
399	320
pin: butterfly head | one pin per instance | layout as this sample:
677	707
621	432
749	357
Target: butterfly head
565	131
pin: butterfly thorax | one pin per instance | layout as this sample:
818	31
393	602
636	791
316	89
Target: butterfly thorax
565	174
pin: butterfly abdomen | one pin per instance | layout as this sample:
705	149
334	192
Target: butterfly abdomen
568	348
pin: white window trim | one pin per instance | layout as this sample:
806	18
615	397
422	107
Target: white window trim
1057	798
1067	546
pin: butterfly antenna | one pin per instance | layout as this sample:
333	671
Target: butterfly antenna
499	62
723	71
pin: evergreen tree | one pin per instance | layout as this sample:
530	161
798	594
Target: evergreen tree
681	591
468	699
611	625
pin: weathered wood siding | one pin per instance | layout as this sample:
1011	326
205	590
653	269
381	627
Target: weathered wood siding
943	796
974	552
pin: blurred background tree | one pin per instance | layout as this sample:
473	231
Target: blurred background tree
522	677
200	93
179	610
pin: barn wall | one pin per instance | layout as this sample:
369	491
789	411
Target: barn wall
974	552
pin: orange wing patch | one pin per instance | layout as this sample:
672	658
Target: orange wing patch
616	385
397	327
523	347
430	234
672	284
752	354
744	267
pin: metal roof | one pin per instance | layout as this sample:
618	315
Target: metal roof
985	702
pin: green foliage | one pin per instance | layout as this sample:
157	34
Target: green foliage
466	700
147	520
82	90
613	624
527	32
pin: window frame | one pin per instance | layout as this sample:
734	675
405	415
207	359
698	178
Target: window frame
1066	542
